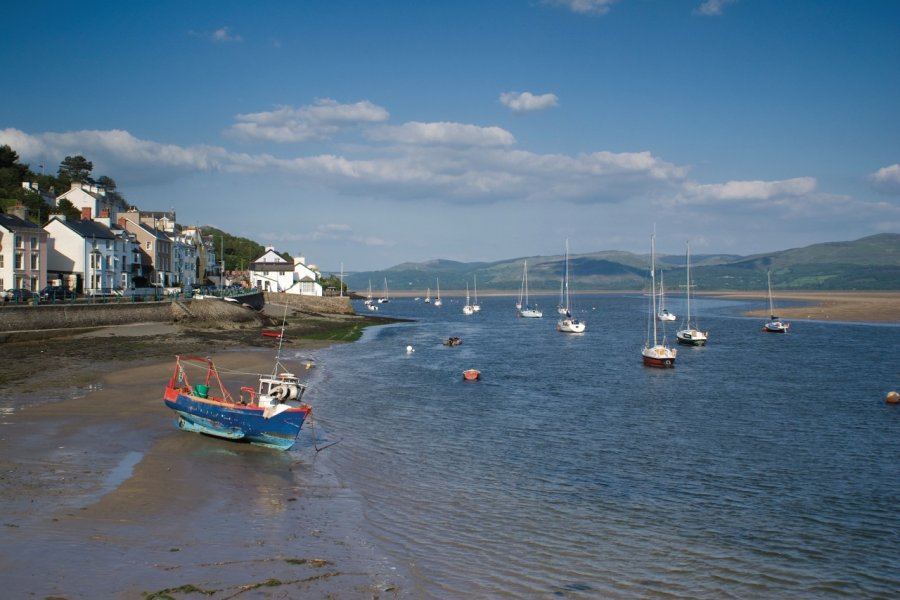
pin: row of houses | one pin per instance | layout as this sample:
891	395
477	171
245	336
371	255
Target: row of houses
113	248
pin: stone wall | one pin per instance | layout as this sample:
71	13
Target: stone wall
210	310
23	318
329	305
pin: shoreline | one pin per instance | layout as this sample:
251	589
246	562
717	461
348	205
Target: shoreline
850	306
93	460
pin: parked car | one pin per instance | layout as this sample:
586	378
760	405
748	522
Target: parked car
56	293
19	296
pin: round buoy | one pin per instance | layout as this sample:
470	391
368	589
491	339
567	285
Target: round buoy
892	398
410	349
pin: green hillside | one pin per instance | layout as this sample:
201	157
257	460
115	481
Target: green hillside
870	263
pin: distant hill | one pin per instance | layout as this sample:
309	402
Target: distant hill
870	263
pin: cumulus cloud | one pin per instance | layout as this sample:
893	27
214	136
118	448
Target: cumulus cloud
590	7
526	101
320	121
886	179
737	191
118	153
452	134
712	8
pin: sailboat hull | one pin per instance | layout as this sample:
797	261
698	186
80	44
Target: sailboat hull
776	327
691	337
570	326
659	356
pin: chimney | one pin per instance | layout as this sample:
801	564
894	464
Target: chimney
86	213
122	222
20	211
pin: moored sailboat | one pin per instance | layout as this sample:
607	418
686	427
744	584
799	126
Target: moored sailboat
690	334
567	323
664	313
437	298
656	354
524	308
468	309
774	325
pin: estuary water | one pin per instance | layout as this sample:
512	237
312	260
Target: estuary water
761	466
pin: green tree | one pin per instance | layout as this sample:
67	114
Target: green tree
68	209
75	168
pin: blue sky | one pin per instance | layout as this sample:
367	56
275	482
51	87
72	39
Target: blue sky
370	133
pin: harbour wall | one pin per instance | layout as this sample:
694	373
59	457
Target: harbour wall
211	310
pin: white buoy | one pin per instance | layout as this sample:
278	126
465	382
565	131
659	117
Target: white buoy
410	349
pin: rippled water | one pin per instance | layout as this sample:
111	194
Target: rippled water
762	466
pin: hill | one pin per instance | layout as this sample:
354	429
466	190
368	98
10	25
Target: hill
870	263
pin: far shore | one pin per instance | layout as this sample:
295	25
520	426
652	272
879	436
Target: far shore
875	306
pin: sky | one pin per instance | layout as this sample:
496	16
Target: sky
362	134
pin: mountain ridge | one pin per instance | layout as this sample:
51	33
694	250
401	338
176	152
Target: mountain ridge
868	263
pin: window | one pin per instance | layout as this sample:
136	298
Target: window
20	242
20	261
34	243
1	266
148	245
35	261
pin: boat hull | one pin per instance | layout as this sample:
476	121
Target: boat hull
530	313
570	326
691	337
235	421
659	357
776	327
471	374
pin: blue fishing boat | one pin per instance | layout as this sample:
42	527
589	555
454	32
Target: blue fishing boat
270	415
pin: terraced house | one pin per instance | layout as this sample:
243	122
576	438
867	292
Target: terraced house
23	252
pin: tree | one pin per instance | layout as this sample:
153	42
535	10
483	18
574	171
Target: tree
68	209
75	168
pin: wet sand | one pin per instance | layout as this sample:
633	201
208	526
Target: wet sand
878	307
103	497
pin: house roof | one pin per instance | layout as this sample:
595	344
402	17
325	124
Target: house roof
89	229
13	222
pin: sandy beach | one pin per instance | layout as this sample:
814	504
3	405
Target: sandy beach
105	498
880	307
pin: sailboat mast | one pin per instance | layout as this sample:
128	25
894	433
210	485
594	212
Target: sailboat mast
653	311
688	243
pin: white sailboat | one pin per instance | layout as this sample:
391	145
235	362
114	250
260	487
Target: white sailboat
663	314
428	296
475	306
567	323
467	307
775	325
690	334
656	355
437	299
385	298
370	304
525	309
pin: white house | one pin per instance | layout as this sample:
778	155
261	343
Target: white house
89	256
272	273
91	198
23	252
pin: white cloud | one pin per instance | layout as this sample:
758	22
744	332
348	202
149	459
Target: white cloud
595	7
886	179
451	134
224	35
320	121
526	101
739	191
712	8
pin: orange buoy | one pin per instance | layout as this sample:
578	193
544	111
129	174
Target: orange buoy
892	398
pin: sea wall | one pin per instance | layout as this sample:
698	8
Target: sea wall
329	305
66	316
18	318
